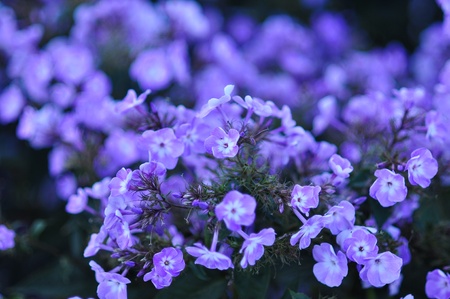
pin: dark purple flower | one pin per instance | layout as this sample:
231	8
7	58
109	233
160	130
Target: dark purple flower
253	246
422	167
221	144
236	209
438	284
163	146
305	198
6	237
169	260
389	187
382	269
331	268
341	167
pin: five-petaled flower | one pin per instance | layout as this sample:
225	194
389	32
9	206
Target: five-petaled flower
222	145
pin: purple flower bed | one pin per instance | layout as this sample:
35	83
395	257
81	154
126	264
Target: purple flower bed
190	149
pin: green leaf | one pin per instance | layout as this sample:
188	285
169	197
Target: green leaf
189	286
251	286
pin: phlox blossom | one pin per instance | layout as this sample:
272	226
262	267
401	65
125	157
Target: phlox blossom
236	209
331	268
305	198
222	144
422	167
438	284
389	187
382	269
253	246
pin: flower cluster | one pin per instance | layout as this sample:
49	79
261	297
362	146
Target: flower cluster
326	155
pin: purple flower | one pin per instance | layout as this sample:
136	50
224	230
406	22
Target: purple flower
221	144
340	217
113	286
6	237
152	69
12	102
118	230
159	280
305	198
214	102
131	100
211	259
381	269
169	260
438	284
120	183
77	202
309	230
147	172
327	113
389	187
193	136
331	268
360	246
253	246
422	167
236	209
163	146
256	105
341	167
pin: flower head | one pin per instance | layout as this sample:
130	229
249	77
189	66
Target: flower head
211	259
236	209
422	167
253	246
331	268
305	198
341	167
389	187
6	237
221	144
438	284
382	269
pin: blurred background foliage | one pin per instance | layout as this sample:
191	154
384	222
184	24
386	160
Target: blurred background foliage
47	261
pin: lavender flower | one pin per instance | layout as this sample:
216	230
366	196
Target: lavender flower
159	280
131	100
120	183
422	167
236	209
305	198
341	167
340	217
163	146
389	187
331	268
215	103
222	145
382	269
209	258
6	237
309	230
438	284
77	202
360	246
253	245
169	260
